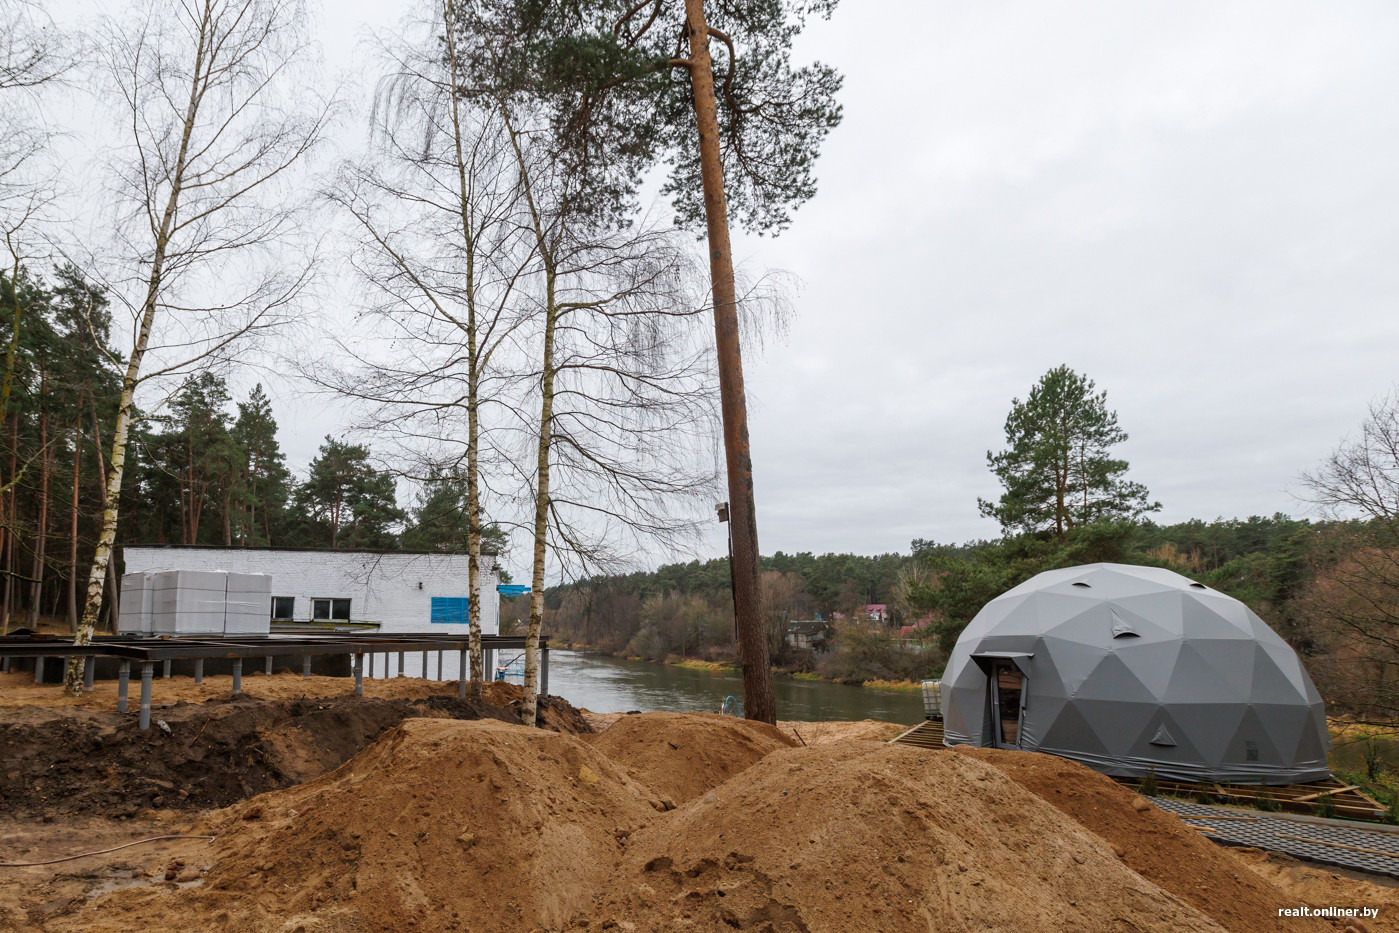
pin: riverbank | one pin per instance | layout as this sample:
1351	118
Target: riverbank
795	673
678	822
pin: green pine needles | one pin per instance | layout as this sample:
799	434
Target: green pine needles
1057	468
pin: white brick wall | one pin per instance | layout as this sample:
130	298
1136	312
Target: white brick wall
394	590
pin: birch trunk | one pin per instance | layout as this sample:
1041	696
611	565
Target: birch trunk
547	256
473	357
106	541
541	511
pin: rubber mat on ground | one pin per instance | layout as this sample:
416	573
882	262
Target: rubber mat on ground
1327	843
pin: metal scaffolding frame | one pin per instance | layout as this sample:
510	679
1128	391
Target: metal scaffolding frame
147	651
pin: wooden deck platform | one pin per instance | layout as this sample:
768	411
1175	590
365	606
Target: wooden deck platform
1346	801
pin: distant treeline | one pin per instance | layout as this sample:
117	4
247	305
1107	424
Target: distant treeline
932	592
202	469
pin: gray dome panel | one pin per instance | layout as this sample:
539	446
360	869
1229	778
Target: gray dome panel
1116	656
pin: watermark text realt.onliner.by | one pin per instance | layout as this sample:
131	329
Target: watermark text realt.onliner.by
1304	911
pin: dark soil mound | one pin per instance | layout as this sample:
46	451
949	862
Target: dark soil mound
214	753
682	756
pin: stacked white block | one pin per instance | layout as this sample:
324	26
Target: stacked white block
137	591
195	602
248	605
189	602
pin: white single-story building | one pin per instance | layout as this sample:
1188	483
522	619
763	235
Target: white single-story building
402	591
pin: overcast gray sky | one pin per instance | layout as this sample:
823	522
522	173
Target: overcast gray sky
1191	202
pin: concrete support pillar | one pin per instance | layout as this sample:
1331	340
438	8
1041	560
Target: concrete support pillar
544	672
461	675
237	677
439	663
371	665
165	674
147	672
400	664
424	665
89	671
306	666
267	668
38	670
359	675
123	681
199	670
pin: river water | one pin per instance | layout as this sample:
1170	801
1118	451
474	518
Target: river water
605	684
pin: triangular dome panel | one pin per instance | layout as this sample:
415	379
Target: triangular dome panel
1122	660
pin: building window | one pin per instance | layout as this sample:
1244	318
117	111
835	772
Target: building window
447	610
330	609
283	608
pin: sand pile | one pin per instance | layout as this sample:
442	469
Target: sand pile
449	825
820	733
440	825
845	837
1155	844
680	756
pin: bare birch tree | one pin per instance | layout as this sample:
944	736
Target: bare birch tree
217	112
1353	604
443	256
622	458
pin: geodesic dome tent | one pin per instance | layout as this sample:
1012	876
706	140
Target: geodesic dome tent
1136	670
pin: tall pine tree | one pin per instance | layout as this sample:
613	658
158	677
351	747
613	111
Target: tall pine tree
1057	468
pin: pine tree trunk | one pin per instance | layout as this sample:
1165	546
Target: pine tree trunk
753	654
113	598
10	563
9	519
36	585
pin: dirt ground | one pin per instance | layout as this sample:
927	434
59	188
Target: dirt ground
406	809
1322	887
